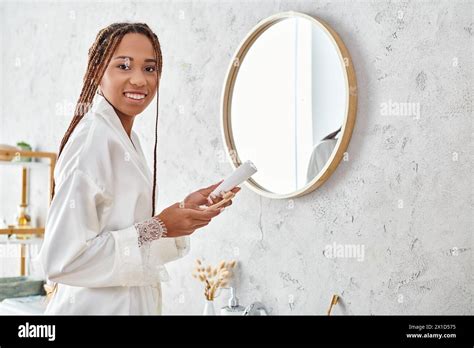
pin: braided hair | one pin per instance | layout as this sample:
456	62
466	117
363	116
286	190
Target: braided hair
100	54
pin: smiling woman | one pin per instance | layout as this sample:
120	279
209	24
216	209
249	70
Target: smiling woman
104	247
130	80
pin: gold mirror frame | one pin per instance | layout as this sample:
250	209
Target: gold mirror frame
350	114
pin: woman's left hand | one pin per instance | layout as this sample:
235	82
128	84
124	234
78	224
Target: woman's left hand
200	197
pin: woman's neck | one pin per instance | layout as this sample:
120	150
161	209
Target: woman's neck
127	122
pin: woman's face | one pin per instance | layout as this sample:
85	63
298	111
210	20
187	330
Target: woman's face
130	80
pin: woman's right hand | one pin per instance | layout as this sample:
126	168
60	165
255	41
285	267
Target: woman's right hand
184	221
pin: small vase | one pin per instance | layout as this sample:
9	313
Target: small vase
209	308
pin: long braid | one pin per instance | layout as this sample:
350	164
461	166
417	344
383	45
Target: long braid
88	87
154	154
159	60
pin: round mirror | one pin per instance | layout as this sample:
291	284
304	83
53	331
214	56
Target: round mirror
289	104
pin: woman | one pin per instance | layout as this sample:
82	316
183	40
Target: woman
104	247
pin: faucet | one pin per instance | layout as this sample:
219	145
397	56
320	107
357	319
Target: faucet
255	308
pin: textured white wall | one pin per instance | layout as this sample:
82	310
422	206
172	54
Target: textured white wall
405	194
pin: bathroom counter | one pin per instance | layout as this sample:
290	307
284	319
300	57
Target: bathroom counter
29	305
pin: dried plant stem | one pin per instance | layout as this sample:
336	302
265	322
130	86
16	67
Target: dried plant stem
214	278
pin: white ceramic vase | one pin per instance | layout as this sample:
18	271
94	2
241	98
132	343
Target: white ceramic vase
209	308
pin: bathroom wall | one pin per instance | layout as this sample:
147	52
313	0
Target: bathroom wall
403	196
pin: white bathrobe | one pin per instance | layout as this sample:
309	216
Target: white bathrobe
104	187
319	157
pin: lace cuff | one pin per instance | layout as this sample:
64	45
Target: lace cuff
150	230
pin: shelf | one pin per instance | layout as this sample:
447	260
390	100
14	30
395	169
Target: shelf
50	156
35	240
23	153
26	164
22	231
25	236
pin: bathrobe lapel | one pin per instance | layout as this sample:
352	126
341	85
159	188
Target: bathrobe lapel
104	109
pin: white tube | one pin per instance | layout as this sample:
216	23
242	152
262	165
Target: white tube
242	173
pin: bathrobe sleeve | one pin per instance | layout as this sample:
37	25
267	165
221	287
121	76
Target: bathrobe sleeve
77	251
